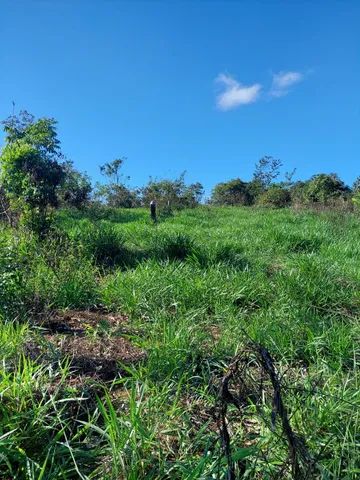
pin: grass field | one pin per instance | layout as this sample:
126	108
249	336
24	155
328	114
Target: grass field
187	295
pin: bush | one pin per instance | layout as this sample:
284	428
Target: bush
172	194
76	188
325	188
117	195
234	192
276	197
11	281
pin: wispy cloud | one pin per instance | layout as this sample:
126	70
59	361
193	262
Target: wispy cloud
282	82
234	93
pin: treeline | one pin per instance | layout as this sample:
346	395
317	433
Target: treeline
36	178
323	189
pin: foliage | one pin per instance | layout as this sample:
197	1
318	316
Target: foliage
266	171
30	170
233	192
117	195
324	187
5	212
111	170
356	186
40	134
298	192
356	199
76	188
172	194
276	196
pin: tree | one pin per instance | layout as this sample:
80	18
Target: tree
322	188
112	170
298	192
356	192
115	193
266	170
276	196
172	194
31	172
233	192
76	188
192	194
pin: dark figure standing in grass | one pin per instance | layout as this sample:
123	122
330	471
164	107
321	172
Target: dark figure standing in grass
153	211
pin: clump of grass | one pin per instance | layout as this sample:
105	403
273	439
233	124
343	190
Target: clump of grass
229	254
72	284
104	243
300	244
174	246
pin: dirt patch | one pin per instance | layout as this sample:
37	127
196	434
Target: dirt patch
80	321
97	356
90	339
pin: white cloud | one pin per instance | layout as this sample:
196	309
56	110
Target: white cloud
234	93
282	81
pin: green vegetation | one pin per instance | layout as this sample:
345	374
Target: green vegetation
191	289
214	342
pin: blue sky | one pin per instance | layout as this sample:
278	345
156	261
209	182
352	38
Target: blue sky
206	87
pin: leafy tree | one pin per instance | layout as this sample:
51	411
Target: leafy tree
356	192
116	193
76	188
266	171
172	194
322	188
233	192
192	195
112	170
5	212
298	192
31	172
276	196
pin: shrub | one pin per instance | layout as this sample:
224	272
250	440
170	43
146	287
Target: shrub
324	188
233	192
276	197
76	188
172	194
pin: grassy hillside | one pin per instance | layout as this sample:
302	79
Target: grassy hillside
131	391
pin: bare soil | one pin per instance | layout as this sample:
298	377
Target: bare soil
68	335
79	321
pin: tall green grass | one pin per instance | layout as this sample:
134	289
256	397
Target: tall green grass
195	286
